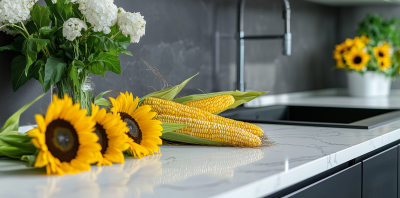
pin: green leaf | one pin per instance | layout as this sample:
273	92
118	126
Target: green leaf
18	76
157	94
12	152
172	94
12	123
168	127
15	46
46	30
60	11
31	28
243	97
126	53
55	68
68	50
40	15
102	102
36	71
168	93
240	97
100	62
31	159
73	74
178	137
78	64
102	43
21	143
8	132
123	41
102	94
99	100
17	137
31	48
75	9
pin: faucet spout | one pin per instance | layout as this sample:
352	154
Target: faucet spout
241	37
287	39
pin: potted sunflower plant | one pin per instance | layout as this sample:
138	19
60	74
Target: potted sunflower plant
372	58
62	43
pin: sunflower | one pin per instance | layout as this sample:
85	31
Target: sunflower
144	133
384	63
356	59
65	138
349	43
382	52
359	43
340	49
365	39
111	131
339	60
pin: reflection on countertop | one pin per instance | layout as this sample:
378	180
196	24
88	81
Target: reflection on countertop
135	178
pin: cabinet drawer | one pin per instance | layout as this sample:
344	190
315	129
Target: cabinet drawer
380	175
344	184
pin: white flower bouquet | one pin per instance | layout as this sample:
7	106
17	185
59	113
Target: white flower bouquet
65	41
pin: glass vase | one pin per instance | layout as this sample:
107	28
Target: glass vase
84	95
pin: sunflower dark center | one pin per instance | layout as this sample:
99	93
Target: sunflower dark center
357	60
62	140
380	54
134	130
103	139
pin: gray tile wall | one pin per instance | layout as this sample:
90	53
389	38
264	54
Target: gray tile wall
181	41
349	18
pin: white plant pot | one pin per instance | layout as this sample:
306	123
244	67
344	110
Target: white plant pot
370	84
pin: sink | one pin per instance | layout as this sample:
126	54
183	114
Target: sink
340	117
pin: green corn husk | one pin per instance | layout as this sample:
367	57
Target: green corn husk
12	123
168	93
12	143
169	134
99	100
240	97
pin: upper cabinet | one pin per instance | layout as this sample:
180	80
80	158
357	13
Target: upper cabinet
355	2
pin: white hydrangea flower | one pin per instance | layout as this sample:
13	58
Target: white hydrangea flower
55	1
15	11
131	24
7	31
72	28
101	14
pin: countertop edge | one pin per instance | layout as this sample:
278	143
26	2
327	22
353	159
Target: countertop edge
280	181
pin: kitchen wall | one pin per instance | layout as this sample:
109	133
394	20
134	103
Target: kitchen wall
349	18
314	29
181	40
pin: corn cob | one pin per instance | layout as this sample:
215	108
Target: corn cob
213	104
212	131
166	107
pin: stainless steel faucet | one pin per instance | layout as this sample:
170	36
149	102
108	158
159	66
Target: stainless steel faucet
287	39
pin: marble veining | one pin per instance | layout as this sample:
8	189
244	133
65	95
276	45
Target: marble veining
299	152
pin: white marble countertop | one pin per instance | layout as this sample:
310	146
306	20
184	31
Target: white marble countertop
197	171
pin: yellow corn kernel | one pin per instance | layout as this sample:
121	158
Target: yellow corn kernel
212	131
251	128
166	107
213	104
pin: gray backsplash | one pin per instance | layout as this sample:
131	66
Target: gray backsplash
181	41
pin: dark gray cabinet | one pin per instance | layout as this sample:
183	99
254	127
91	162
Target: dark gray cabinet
344	184
380	173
